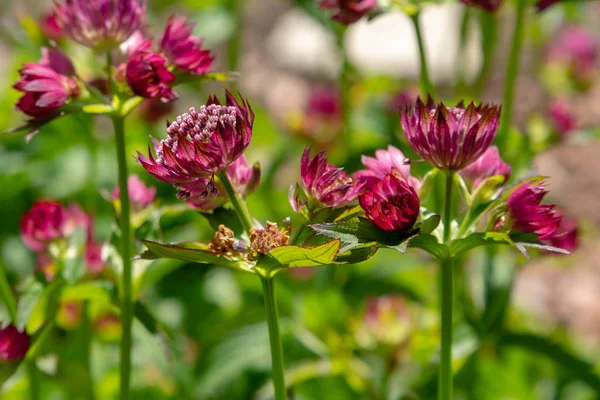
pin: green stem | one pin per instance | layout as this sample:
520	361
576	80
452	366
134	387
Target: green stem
512	70
445	389
489	28
126	241
34	389
7	296
238	204
87	349
460	54
426	86
345	85
236	8
274	337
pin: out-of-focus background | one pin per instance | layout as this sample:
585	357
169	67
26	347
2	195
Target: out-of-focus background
366	331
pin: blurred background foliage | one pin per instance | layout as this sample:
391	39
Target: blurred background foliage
368	331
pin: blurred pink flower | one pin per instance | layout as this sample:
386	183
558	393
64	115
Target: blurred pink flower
383	163
391	204
527	214
183	49
450	138
13	344
489	164
578	49
562	117
487	5
349	11
50	27
45	222
140	195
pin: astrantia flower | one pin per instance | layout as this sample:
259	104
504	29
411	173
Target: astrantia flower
487	5
349	11
45	222
576	48
208	194
381	165
562	117
323	184
183	49
450	138
201	143
566	235
47	85
93	257
391	204
147	76
488	165
100	24
321	119
527	214
140	195
13	344
50	27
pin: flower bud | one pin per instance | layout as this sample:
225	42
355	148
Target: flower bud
45	222
348	11
147	76
13	344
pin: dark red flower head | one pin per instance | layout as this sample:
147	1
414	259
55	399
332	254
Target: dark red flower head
207	193
201	143
324	184
450	138
349	11
47	85
488	165
487	5
566	236
13	344
183	49
100	24
147	76
45	222
527	214
391	204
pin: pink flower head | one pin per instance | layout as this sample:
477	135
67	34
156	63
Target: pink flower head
201	143
383	163
324	184
147	76
183	49
100	24
488	165
321	119
140	195
50	28
566	236
562	117
93	257
487	5
47	85
527	214
391	204
450	138
348	11
324	103
13	344
577	48
45	222
207	194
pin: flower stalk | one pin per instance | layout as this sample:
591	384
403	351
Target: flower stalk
425	83
32	373
238	205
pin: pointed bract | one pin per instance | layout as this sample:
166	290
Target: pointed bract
183	49
527	214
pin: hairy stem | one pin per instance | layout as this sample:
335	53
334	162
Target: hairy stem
238	204
426	85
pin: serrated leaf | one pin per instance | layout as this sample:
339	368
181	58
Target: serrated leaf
358	232
429	243
357	254
295	256
519	241
348	213
191	252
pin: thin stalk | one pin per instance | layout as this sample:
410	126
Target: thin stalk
236	8
489	29
274	337
126	240
238	204
87	350
426	86
512	69
460	54
445	382
345	86
34	388
7	296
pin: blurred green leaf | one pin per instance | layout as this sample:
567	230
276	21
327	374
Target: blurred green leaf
429	243
46	306
357	254
97	109
519	241
294	256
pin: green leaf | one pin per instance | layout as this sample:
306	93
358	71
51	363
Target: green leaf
488	190
295	256
519	241
211	76
429	224
189	251
429	243
97	109
357	254
87	291
427	183
224	216
46	306
463	189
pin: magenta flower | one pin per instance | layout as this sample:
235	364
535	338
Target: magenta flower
450	138
100	24
93	257
321	119
567	234
183	49
45	222
527	214
50	28
47	85
140	195
324	184
207	194
391	204
562	117
383	163
487	5
488	165
324	103
147	76
576	48
202	142
542	5
13	344
348	11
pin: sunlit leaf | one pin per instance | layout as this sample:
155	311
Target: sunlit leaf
295	256
519	241
357	254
